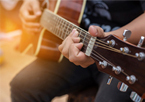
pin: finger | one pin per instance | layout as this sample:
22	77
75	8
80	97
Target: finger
30	24
76	39
75	33
32	30
78	57
96	31
63	43
84	60
36	9
65	49
75	51
27	17
72	32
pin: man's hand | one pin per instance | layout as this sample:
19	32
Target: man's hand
71	47
29	14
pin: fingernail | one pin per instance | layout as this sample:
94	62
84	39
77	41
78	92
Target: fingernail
75	33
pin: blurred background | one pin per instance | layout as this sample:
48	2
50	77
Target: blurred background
11	60
9	15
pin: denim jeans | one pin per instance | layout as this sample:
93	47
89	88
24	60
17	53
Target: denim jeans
42	80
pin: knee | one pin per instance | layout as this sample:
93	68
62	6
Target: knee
17	82
16	89
25	88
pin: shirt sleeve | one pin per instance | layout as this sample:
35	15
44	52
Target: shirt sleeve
142	4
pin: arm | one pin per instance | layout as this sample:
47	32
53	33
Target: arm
29	13
137	27
70	47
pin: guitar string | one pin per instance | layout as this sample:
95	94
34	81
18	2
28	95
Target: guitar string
60	18
109	63
95	51
68	22
97	39
76	27
101	58
101	55
112	49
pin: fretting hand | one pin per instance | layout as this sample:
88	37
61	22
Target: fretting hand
71	47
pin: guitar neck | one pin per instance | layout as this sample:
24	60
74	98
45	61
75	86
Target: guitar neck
60	26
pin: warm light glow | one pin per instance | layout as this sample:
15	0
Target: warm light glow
10	25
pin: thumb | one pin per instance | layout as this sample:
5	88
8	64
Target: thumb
36	8
96	31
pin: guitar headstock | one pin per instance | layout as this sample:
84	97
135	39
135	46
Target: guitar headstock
123	61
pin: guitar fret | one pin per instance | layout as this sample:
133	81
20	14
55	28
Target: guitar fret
62	28
53	28
81	35
49	21
56	22
85	41
59	28
67	31
84	35
71	28
84	38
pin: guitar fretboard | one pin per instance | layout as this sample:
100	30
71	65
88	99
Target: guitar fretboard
62	27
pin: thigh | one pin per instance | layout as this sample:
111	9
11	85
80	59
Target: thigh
110	93
43	80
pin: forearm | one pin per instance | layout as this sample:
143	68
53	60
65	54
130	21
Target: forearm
137	27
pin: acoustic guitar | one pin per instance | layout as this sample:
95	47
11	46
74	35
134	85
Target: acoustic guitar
116	57
45	45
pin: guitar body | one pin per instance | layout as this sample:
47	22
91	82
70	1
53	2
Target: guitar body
45	45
